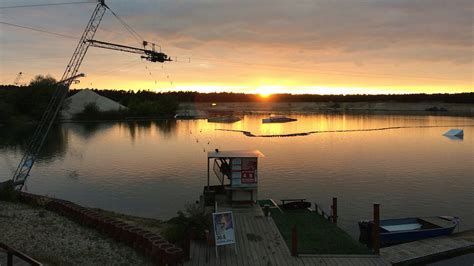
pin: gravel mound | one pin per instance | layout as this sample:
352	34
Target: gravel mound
76	103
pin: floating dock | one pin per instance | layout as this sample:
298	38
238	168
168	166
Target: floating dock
260	243
426	250
251	238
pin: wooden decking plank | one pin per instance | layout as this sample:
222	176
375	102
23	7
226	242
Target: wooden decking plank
328	261
243	233
193	255
261	245
264	244
252	247
271	250
268	245
246	249
282	247
202	249
318	261
240	247
277	243
423	249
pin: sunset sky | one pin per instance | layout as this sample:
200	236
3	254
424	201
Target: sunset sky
255	46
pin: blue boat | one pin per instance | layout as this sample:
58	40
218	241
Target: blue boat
403	230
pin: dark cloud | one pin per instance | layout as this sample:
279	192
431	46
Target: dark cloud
344	26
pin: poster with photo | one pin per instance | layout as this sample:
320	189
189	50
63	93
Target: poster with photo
223	228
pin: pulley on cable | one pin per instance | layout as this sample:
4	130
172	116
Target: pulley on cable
150	55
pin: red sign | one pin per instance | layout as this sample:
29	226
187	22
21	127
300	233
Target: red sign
247	177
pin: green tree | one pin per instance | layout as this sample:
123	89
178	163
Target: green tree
33	99
40	81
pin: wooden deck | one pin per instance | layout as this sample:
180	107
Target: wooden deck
260	243
429	249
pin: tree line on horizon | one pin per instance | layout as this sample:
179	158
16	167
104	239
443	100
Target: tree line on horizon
23	104
27	103
125	96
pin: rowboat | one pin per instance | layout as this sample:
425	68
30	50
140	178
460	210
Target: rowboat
403	230
278	119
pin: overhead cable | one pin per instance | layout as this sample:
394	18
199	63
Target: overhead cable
39	30
135	34
51	4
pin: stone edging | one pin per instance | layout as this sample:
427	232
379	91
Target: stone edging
150	244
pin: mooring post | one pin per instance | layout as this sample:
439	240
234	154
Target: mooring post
376	229
9	258
334	210
187	246
266	210
294	241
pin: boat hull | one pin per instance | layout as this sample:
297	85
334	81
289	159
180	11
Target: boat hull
224	119
278	120
389	238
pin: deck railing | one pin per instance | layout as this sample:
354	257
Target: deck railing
321	212
13	252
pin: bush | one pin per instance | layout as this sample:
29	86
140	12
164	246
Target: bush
8	192
165	105
192	222
92	112
6	112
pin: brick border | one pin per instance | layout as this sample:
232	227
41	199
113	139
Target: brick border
151	245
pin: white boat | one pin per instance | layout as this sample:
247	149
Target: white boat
278	119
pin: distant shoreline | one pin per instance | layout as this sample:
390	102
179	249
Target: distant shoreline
385	108
203	110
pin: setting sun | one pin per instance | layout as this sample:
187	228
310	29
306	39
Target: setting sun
267	91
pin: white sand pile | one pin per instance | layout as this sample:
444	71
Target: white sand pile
76	103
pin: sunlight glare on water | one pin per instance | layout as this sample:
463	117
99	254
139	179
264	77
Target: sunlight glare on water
153	169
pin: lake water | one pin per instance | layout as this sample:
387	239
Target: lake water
153	169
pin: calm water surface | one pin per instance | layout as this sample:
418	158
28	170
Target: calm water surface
154	168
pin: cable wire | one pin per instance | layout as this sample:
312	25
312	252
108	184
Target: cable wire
39	30
135	34
52	4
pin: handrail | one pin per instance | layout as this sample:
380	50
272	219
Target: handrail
323	213
217	170
13	252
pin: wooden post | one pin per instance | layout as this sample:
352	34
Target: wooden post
334	210
9	258
208	239
376	229
187	246
266	210
208	177
294	241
